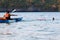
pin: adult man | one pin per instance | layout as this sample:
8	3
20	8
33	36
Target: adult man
7	16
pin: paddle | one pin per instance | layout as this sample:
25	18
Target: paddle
13	10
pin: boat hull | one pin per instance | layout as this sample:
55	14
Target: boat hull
13	20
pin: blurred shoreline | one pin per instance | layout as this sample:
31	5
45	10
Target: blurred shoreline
29	10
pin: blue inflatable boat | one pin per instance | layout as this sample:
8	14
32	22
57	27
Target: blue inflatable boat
11	21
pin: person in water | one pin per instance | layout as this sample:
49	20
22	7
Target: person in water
53	18
7	16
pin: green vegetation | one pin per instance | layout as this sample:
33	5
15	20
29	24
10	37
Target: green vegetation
24	4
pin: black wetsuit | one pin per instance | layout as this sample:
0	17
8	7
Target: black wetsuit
8	17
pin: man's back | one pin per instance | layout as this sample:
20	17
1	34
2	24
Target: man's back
7	16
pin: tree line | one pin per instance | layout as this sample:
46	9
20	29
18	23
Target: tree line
25	4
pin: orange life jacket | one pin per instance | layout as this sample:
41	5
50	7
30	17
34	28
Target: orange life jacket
7	15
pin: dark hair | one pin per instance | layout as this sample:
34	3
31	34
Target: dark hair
7	11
